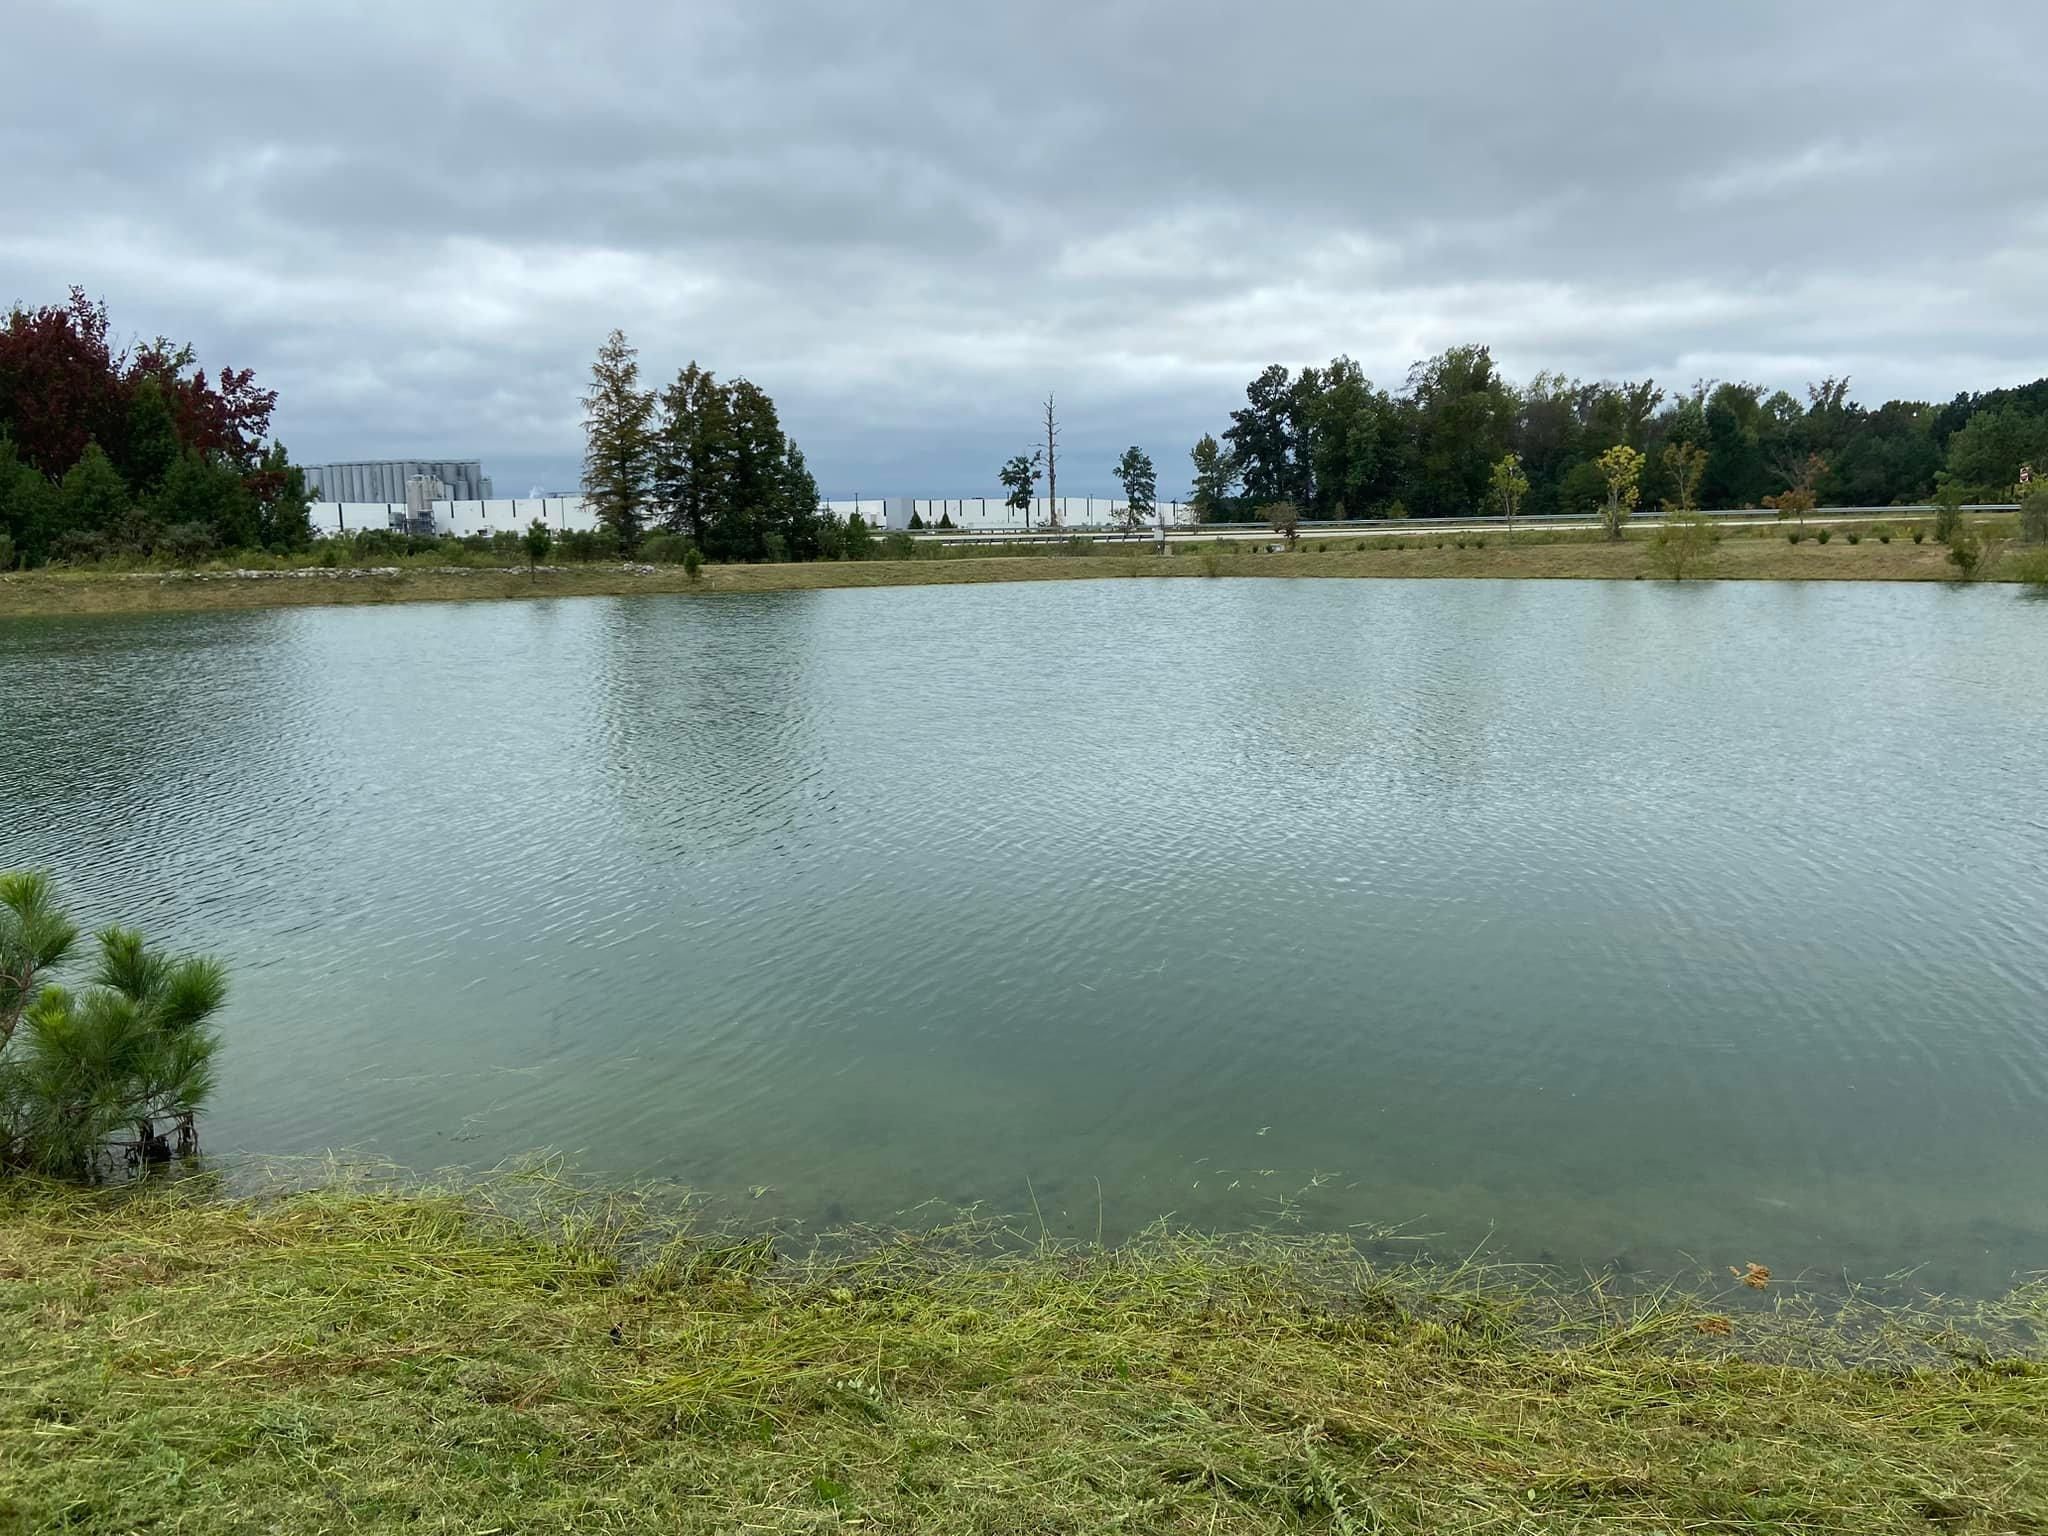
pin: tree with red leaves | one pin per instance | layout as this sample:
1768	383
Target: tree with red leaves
181	448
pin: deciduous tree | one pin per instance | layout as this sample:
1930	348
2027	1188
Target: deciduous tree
1684	462
1019	477
1509	487
1622	468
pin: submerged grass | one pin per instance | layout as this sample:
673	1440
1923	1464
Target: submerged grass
517	1356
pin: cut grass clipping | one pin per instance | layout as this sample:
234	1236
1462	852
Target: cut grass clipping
521	1357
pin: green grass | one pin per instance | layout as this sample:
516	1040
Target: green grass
513	1358
1752	553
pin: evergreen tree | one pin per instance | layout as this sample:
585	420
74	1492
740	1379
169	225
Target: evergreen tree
28	506
93	499
1268	436
1141	486
692	453
151	447
199	493
804	524
283	516
618	450
1215	474
118	1066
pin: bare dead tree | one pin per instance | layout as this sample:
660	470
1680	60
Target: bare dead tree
1052	470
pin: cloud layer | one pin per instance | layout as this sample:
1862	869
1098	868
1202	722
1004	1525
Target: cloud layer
909	222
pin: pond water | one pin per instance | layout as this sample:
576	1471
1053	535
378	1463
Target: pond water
1600	922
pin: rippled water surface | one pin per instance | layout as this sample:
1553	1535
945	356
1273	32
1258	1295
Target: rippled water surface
1621	922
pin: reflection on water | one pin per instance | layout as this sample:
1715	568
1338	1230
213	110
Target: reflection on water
1617	921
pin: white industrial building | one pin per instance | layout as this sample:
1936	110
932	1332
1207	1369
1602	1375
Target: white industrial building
370	480
462	517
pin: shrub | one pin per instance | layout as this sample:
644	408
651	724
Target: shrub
186	543
1965	553
1853	536
2034	513
586	544
1284	518
1212	564
2032	568
693	562
77	546
1919	535
1680	543
664	547
1948	512
539	538
899	545
117	1069
1824	535
1794	536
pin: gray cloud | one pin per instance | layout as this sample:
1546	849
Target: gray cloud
910	221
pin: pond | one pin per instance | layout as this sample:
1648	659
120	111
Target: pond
1603	923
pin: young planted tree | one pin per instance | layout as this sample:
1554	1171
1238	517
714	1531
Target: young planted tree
1684	463
1683	540
618	451
1284	517
1019	478
540	538
1949	498
1622	468
1509	487
1803	494
1141	487
117	1069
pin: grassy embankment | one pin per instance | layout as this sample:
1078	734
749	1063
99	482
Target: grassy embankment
350	1359
1750	554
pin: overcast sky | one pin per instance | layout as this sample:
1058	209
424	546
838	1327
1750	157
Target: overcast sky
909	222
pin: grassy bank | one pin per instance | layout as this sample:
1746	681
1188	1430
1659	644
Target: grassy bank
1746	555
360	1360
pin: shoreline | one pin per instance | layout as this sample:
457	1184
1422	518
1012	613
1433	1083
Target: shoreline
526	1353
46	594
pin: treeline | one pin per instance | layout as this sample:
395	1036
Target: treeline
1334	445
110	453
701	467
